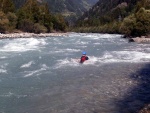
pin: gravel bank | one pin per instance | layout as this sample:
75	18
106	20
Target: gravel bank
29	35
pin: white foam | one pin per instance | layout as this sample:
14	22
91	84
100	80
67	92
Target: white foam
75	62
101	36
9	94
97	43
107	57
72	50
93	36
64	51
44	66
66	62
3	57
111	36
3	68
21	45
76	34
125	56
82	43
3	71
147	50
27	65
37	72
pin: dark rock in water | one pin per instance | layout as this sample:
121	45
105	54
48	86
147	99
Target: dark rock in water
131	40
127	36
124	36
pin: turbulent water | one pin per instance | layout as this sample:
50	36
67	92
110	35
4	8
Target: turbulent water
42	75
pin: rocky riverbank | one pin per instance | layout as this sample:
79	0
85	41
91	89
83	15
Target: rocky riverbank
142	39
30	35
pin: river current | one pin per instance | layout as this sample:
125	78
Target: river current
42	75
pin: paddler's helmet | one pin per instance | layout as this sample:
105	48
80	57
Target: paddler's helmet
83	53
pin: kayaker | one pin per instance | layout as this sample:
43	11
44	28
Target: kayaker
83	57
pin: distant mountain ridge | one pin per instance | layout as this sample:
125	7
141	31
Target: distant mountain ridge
76	7
70	9
115	7
70	5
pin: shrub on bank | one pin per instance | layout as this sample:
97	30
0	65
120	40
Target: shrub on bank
37	28
137	24
12	21
31	17
4	22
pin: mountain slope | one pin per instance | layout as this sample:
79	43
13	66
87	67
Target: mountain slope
70	5
76	7
131	17
70	9
112	8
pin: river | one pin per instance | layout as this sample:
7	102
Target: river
42	75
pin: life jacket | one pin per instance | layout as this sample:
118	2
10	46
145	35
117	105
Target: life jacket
83	58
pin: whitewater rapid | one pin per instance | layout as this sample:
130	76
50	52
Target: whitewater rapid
69	48
43	75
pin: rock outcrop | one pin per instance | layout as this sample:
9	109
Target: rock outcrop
142	39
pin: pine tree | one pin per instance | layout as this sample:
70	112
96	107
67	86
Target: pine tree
7	6
3	22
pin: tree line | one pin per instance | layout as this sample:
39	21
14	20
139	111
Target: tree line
32	16
131	19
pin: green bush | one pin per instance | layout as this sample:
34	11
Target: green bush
32	13
26	25
128	25
37	28
4	22
136	24
143	21
12	21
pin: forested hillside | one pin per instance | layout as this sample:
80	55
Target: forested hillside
31	16
18	3
70	5
70	9
131	17
63	5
